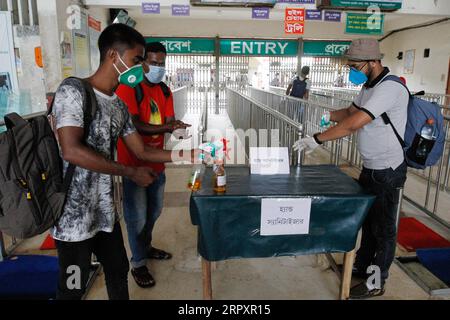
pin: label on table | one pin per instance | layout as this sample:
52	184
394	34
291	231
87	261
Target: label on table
285	216
269	161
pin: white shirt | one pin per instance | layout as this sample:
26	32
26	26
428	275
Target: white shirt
377	142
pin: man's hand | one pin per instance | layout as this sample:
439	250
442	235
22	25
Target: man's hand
181	134
143	176
306	144
175	125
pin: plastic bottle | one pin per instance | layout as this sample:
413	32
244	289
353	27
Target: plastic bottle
195	182
427	134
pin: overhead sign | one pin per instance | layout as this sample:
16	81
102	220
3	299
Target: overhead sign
151	8
285	216
258	47
363	23
181	10
325	48
260	13
361	4
269	161
313	15
294	21
186	45
297	1
333	16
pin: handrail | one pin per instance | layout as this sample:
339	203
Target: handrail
317	104
269	110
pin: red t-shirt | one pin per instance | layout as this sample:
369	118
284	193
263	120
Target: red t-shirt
154	109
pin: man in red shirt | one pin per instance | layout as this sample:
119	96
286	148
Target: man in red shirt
151	107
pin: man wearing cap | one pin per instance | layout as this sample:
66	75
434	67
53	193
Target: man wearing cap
384	167
300	86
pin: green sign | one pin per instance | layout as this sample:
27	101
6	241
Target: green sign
383	4
362	23
325	48
186	45
258	47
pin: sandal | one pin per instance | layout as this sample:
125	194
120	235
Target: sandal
143	277
159	254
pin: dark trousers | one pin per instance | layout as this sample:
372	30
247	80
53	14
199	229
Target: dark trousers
75	261
379	232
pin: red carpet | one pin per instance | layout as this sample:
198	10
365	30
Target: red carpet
48	244
413	235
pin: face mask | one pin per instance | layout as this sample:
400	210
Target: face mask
357	77
132	76
156	74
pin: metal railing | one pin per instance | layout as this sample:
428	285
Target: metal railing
180	102
436	177
349	95
249	114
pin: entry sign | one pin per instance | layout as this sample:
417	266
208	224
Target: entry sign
285	216
294	21
269	161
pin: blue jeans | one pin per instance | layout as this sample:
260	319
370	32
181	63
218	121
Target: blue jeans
142	207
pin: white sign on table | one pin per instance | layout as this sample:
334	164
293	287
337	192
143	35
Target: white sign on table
285	216
269	161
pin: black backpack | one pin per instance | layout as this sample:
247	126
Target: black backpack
299	88
32	187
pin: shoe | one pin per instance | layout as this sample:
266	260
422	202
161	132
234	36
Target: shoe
159	254
143	277
356	273
361	291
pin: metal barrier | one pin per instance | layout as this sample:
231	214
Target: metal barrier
180	102
437	177
249	114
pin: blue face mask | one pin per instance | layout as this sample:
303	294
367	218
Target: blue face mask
156	74
357	77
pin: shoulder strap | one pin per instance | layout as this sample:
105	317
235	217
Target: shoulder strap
139	94
388	121
165	89
89	111
386	118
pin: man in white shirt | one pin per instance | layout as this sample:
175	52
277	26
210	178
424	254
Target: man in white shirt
385	168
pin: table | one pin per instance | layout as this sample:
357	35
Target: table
229	224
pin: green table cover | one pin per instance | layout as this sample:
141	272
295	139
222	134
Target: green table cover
229	224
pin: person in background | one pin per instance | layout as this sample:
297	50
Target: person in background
384	166
151	107
276	81
299	87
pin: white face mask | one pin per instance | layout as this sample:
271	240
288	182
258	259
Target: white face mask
156	74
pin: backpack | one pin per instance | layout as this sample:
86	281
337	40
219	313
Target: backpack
299	88
32	187
419	111
139	92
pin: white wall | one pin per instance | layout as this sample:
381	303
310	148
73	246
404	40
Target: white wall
430	74
186	27
53	21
